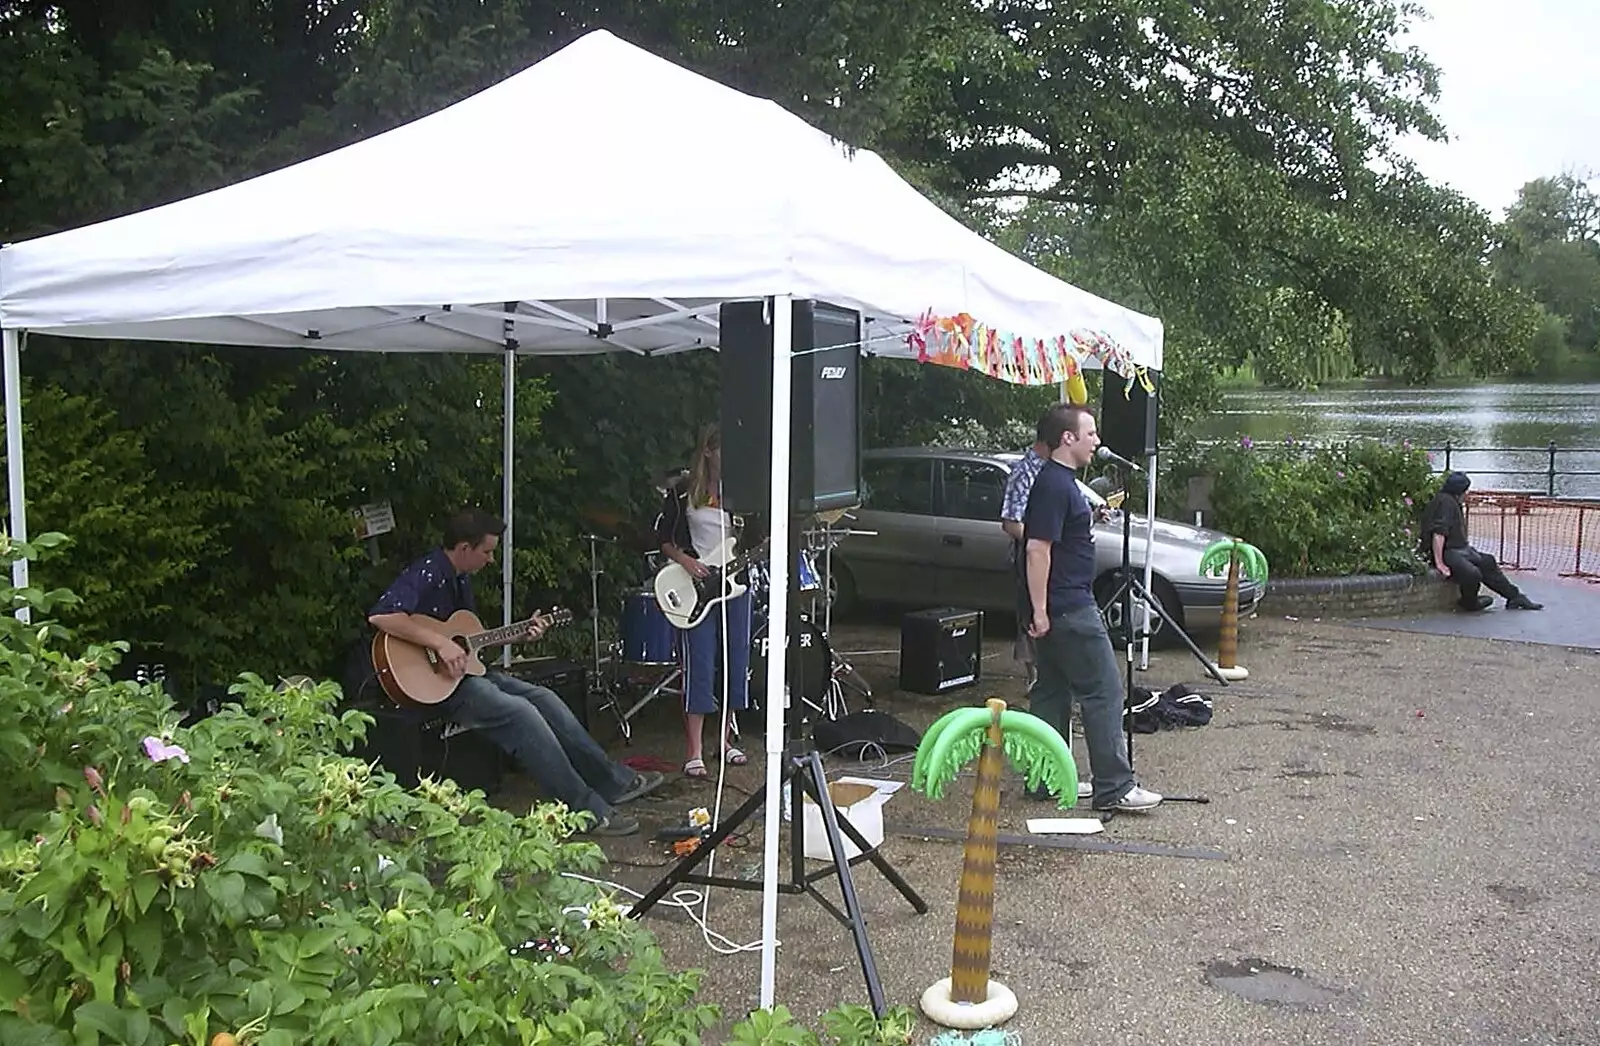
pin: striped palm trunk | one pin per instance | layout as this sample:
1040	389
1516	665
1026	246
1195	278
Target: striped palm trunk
969	964
1228	641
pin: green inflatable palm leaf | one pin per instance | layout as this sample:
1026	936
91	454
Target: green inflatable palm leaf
1252	561
1032	746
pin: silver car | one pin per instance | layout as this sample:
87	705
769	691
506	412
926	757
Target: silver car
936	517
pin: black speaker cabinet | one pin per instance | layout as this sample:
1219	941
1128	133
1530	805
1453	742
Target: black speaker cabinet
410	745
825	430
940	649
1128	422
568	679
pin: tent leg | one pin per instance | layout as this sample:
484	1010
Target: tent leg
782	307
18	499
507	497
1149	543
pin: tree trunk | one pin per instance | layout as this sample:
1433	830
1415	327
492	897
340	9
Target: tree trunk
1228	641
969	965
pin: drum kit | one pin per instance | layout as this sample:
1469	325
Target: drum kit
643	662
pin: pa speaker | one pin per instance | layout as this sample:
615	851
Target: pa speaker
824	434
1128	422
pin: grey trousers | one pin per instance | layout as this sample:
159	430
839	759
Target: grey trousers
537	729
1077	663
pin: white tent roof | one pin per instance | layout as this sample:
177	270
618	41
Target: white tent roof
602	186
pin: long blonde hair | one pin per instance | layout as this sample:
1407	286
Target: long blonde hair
702	488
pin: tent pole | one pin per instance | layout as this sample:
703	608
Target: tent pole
507	497
782	306
1149	543
18	502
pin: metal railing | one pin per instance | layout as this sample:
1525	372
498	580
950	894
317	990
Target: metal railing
1549	471
1529	532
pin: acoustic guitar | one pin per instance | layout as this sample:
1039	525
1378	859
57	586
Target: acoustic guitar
414	676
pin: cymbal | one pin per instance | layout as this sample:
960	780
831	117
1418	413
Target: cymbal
626	530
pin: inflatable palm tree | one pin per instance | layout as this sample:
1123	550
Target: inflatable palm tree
1233	555
968	998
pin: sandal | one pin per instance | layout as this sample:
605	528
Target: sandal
734	757
695	768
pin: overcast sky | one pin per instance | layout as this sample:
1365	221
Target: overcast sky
1520	93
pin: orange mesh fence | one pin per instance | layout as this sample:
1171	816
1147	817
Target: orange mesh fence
1559	537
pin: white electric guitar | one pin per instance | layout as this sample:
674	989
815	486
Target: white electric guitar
686	599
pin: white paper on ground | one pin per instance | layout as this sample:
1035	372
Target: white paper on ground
1065	825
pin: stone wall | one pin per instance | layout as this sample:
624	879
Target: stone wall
1372	595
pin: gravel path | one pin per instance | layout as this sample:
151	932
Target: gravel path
1409	856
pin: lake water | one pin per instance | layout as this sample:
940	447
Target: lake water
1499	433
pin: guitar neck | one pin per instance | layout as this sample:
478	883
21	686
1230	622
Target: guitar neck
505	633
742	560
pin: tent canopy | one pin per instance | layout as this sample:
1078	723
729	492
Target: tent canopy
527	212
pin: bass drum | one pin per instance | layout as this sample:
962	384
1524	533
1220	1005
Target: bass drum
810	663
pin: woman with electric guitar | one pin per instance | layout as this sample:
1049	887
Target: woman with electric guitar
700	592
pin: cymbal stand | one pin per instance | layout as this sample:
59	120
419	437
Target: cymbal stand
843	670
600	684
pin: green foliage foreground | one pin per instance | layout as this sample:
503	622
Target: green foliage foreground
162	884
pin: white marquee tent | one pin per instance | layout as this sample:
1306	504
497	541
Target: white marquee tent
603	200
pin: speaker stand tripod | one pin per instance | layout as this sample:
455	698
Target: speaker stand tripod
1129	588
804	776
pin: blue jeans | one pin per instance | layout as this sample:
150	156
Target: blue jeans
1077	663
537	729
702	654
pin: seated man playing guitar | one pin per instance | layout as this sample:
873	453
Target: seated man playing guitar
530	723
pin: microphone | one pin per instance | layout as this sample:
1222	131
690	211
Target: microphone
1105	453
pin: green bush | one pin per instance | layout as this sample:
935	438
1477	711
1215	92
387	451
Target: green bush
163	884
1316	511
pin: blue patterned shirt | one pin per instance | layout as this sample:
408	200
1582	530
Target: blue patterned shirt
1019	484
429	586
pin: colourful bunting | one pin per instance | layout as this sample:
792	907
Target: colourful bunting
962	342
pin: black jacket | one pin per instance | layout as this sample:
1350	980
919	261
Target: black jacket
672	522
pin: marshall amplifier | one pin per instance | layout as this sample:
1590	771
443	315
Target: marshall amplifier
940	649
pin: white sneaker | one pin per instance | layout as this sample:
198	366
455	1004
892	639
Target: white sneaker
1138	799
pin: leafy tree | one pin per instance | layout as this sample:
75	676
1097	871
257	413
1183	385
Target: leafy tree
1550	248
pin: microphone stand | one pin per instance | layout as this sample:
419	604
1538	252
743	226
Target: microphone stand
1129	587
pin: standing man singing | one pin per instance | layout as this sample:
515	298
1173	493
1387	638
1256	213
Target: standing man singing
1075	658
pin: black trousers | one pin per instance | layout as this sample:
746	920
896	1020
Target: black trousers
1470	568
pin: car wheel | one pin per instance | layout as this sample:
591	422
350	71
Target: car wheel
841	589
1161	635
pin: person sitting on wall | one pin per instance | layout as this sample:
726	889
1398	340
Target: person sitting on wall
1444	528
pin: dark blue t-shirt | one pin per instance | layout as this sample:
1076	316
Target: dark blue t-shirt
429	586
1060	514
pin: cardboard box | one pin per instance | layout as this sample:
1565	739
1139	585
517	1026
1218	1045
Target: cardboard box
859	800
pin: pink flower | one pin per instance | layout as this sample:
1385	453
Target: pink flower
1246	442
92	775
159	751
1339	474
1407	500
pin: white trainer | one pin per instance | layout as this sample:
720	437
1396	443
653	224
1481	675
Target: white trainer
1138	799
